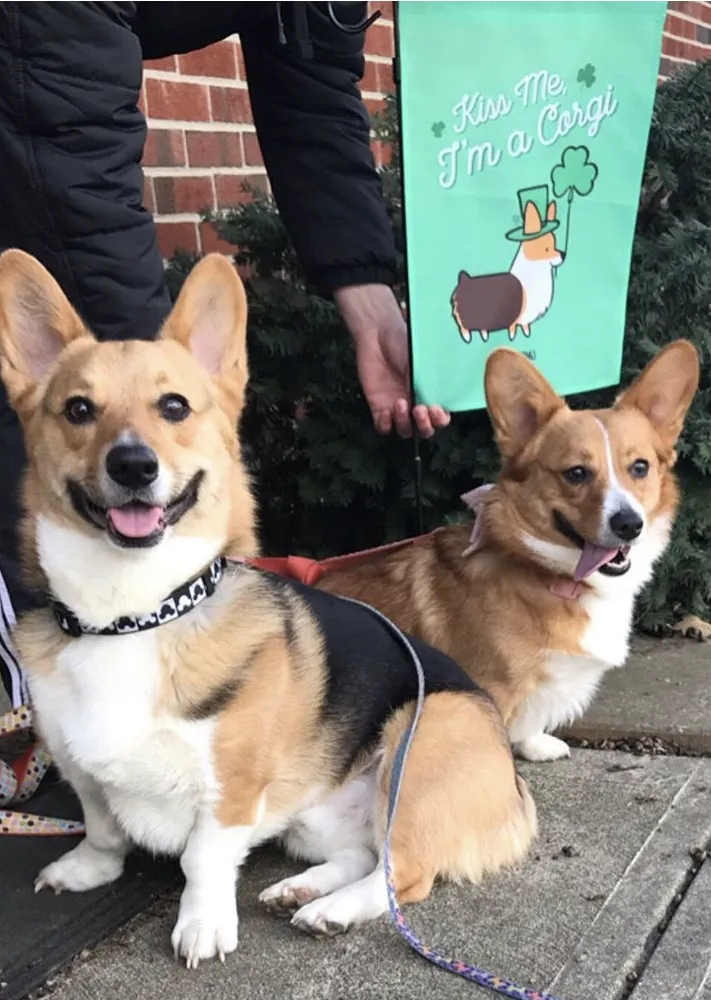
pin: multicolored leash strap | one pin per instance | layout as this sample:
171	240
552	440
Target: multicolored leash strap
473	973
20	780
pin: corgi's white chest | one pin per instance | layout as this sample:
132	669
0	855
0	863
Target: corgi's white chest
607	636
572	681
98	713
568	690
536	276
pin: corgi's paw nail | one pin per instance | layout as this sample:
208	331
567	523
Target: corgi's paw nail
199	938
287	896
308	920
81	869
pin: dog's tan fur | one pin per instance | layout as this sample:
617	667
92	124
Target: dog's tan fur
124	379
490	613
494	611
253	663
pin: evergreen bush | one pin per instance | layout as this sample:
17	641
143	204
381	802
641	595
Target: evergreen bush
327	483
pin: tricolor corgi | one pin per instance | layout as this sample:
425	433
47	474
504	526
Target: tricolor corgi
515	298
200	707
539	603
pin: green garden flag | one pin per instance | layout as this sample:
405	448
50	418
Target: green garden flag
524	130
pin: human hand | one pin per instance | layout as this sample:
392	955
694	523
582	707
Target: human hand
376	323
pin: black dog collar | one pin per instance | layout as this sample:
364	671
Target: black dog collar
177	604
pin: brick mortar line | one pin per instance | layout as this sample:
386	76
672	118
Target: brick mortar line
679	59
669	33
177	217
687	41
248	127
233	82
186	218
170	76
687	17
188	171
177	124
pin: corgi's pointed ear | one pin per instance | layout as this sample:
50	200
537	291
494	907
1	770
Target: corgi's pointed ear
552	212
531	220
210	317
519	399
665	389
36	323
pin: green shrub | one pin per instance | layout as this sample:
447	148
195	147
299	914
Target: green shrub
328	484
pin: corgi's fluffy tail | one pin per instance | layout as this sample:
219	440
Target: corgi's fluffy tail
463	810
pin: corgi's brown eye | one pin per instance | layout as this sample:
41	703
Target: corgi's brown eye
174	407
577	475
79	410
639	468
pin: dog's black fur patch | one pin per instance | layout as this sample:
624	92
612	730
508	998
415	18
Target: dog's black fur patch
370	673
215	701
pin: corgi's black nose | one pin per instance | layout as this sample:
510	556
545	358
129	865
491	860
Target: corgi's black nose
132	465
626	524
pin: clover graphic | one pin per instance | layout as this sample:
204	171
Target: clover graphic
586	75
437	129
575	174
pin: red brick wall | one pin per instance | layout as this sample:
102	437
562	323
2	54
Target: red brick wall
687	35
202	145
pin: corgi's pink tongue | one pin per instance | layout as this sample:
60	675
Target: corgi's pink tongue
136	521
592	558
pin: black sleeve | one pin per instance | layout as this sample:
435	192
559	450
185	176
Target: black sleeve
71	140
314	131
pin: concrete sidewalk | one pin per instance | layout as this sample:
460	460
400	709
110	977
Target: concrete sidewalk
613	904
621	838
663	693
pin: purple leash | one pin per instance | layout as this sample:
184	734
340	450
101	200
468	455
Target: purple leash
473	973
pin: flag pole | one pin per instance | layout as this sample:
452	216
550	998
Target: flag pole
416	434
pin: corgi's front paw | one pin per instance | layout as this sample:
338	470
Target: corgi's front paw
285	897
542	747
205	932
81	869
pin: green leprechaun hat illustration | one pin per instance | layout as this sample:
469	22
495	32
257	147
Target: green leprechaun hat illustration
538	197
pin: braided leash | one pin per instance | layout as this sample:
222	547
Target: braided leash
19	782
473	973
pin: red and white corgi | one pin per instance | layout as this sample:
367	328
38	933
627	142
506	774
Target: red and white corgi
538	605
534	266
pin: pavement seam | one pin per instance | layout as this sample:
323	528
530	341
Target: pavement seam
698	859
698	994
651	942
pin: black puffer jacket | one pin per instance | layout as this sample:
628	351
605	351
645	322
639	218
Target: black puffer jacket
71	140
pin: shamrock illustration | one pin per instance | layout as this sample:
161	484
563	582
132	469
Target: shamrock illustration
437	129
586	75
575	174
